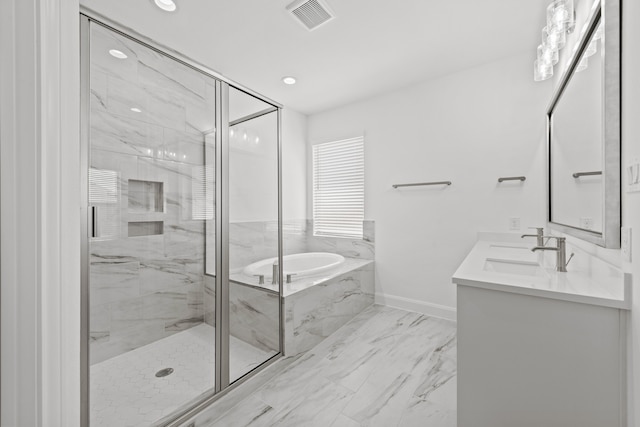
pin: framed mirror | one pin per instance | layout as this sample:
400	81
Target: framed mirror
584	134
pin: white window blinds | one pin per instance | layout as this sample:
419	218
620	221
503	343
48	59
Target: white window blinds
338	188
103	195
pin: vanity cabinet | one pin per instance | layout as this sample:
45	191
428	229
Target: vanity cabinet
531	361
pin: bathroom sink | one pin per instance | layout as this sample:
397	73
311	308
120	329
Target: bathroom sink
521	268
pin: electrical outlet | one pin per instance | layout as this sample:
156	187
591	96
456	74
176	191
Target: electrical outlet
586	223
514	223
625	243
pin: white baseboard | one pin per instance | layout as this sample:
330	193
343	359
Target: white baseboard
430	309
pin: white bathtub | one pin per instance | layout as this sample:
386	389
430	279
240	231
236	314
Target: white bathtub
305	264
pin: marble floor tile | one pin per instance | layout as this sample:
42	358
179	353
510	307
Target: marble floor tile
386	367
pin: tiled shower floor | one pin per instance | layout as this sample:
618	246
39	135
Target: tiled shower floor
126	392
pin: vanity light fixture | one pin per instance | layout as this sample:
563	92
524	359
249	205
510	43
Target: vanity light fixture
560	22
117	54
166	5
289	80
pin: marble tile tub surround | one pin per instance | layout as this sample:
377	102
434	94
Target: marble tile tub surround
150	120
314	306
254	316
314	313
253	241
386	367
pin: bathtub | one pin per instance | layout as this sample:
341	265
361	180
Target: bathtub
326	292
299	265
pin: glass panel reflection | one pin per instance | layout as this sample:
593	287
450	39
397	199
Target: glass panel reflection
151	323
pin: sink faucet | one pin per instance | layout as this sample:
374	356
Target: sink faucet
561	252
538	235
275	273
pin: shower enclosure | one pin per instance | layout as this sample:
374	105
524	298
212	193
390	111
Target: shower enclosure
181	185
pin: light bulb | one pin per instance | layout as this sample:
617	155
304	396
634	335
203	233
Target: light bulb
542	71
547	56
560	15
553	40
167	5
117	54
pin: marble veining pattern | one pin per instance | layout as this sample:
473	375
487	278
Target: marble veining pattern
126	392
318	311
254	317
386	367
150	117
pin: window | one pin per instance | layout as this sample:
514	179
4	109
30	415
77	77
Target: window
202	192
338	188
104	198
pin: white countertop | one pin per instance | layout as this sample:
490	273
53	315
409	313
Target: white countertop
588	280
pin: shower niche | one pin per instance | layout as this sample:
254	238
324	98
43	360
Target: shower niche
168	202
145	196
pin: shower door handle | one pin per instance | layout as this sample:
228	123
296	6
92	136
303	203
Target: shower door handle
94	221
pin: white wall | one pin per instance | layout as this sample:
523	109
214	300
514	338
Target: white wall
253	169
471	128
294	167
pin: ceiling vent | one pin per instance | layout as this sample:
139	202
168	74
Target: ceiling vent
311	13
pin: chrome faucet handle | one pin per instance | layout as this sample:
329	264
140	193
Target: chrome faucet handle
561	252
260	278
289	277
538	235
569	260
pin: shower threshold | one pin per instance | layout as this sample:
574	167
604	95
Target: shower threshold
125	390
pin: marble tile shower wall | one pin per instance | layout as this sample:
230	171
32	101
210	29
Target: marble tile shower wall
147	287
254	241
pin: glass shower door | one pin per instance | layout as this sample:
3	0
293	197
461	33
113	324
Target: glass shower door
181	277
151	208
254	282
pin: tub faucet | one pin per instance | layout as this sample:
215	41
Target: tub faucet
561	252
538	235
275	273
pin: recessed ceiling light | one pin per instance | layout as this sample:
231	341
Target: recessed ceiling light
288	80
118	54
136	110
168	5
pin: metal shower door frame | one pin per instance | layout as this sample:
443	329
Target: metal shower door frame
222	356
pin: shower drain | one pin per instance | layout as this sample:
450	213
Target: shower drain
164	372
